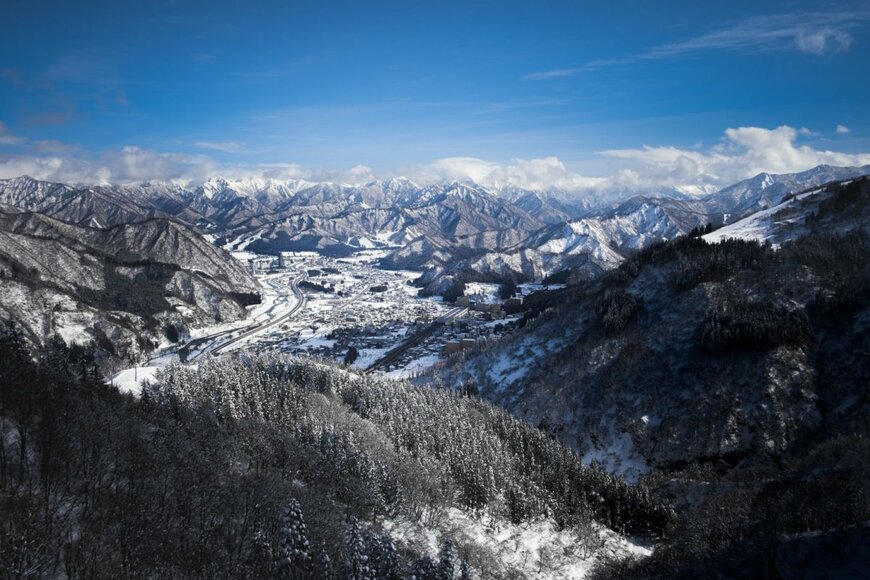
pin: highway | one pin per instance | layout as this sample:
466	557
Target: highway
248	331
419	336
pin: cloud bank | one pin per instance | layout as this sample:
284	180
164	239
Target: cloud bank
740	153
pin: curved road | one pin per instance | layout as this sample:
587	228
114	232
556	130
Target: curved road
250	331
300	304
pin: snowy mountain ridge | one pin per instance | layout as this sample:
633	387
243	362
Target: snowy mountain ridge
444	229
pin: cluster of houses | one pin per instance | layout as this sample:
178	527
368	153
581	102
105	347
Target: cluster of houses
284	260
494	310
261	264
491	310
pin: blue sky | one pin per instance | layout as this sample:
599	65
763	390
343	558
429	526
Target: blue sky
126	90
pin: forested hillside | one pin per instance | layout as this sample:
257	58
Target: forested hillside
698	352
273	467
730	377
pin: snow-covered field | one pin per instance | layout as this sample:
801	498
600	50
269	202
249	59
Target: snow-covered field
131	380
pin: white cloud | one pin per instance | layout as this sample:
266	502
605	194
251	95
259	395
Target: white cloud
815	33
741	152
822	41
361	173
842	129
224	146
544	173
133	164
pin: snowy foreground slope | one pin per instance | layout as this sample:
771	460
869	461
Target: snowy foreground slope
254	467
783	222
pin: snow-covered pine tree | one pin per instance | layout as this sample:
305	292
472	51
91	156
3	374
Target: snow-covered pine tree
422	569
324	568
446	561
294	557
356	559
383	556
465	571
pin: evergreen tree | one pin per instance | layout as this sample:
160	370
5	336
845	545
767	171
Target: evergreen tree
446	561
422	569
465	571
383	556
325	569
356	559
294	559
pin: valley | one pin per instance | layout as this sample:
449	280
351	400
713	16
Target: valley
434	290
319	306
550	408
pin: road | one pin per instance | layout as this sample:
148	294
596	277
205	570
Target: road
248	331
415	339
300	304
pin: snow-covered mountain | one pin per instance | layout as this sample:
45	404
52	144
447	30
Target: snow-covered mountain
120	287
766	190
447	229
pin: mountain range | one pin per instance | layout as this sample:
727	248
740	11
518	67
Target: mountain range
720	370
73	241
447	230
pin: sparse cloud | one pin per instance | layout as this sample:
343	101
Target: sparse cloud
843	130
7	138
815	33
224	146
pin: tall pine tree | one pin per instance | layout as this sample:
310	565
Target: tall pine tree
294	557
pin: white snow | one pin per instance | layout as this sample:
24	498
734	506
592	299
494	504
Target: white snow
131	380
617	456
763	225
534	550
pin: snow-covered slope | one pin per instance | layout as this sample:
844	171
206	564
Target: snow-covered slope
119	287
700	352
786	220
766	190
